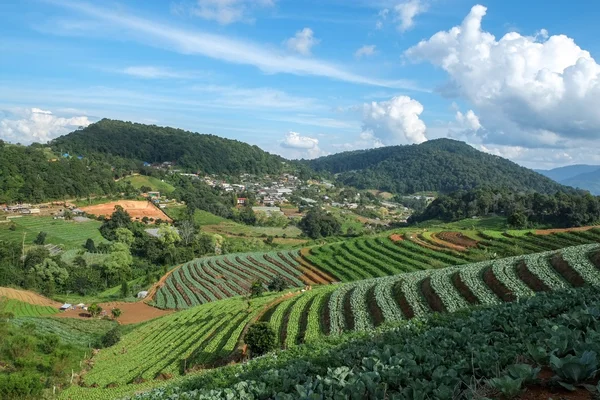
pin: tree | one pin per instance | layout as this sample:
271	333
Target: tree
518	220
48	270
168	235
247	216
145	189
187	231
257	289
90	246
277	284
94	310
116	312
124	289
111	337
118	263
40	240
260	338
124	236
317	223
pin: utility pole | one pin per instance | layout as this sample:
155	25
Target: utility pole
23	250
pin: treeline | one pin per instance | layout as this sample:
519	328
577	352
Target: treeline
523	210
441	165
154	144
28	174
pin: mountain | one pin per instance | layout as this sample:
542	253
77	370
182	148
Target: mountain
587	181
153	144
441	165
586	177
571	171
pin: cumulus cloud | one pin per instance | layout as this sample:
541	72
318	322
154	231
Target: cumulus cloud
226	12
36	125
365	51
468	121
306	146
407	11
395	121
302	42
529	91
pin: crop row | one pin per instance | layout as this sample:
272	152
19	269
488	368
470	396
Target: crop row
215	278
366	304
22	309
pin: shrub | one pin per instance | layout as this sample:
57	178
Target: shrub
111	337
260	338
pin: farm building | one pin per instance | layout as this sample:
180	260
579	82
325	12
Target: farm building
65	307
29	211
268	210
154	195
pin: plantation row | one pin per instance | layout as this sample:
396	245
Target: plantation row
380	256
168	346
367	304
21	309
215	278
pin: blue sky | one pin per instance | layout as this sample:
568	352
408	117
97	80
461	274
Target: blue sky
309	78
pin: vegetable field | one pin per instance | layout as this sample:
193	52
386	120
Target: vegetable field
171	345
71	234
22	309
209	279
366	304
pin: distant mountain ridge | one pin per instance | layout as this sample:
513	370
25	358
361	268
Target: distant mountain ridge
150	143
441	165
582	176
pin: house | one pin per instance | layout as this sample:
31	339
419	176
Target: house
142	294
30	211
153	195
241	201
65	307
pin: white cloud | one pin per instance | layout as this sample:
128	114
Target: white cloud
365	51
407	11
393	122
36	125
228	11
252	98
529	91
468	121
151	72
192	42
306	146
302	42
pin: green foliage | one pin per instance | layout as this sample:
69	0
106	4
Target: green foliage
277	284
442	165
40	239
125	289
575	369
260	338
116	312
190	151
94	310
317	224
256	289
111	337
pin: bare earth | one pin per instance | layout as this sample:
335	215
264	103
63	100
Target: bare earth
132	313
549	231
137	209
28	297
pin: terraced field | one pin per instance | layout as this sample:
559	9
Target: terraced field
366	304
22	309
168	346
215	278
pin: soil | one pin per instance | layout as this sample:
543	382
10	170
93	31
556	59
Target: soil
132	313
303	260
136	209
449	245
28	297
152	291
374	310
433	299
530	279
497	287
417	239
550	231
348	315
396	238
463	289
458	239
402	302
564	269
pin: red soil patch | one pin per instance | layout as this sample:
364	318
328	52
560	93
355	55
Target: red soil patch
531	280
497	287
441	242
136	209
463	289
421	242
567	272
550	231
28	297
396	238
433	299
132	313
458	239
308	266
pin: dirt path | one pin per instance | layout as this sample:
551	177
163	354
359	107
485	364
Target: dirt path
396	238
131	313
550	231
28	297
152	291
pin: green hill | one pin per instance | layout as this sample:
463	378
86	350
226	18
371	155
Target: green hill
154	144
441	165
139	181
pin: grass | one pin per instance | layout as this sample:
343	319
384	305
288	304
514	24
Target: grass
71	234
90	258
137	181
486	223
200	217
110	294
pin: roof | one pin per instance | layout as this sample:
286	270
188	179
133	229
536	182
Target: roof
66	305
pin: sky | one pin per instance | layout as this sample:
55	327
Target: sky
309	78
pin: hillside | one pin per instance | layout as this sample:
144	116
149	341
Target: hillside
441	165
587	181
154	144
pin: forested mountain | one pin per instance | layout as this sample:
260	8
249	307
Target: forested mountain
30	174
586	177
150	143
441	165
